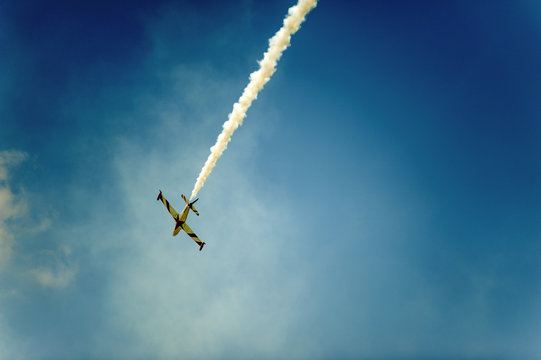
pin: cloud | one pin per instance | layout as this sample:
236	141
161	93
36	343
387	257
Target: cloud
11	346
9	158
169	300
11	206
58	271
165	299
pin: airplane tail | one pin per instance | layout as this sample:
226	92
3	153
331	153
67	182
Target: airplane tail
190	204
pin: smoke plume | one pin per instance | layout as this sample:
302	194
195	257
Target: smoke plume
267	66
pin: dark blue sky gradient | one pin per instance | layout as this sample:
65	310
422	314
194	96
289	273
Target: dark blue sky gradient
382	199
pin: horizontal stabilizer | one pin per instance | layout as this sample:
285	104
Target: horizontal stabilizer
190	204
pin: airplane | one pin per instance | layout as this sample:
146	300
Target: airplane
181	219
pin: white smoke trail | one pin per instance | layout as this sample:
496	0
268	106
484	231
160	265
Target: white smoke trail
277	44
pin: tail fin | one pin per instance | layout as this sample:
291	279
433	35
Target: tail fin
190	204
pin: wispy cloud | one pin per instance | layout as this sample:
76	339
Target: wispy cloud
56	270
11	206
11	345
169	300
163	298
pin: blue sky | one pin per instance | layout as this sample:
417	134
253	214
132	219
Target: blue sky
381	200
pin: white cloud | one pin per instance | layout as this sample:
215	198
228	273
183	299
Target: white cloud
8	159
234	297
166	299
11	206
11	346
58	272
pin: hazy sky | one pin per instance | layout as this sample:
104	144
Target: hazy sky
381	200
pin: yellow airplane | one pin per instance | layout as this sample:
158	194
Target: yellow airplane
181	219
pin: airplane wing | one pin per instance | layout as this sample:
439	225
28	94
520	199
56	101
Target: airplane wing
169	208
190	232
